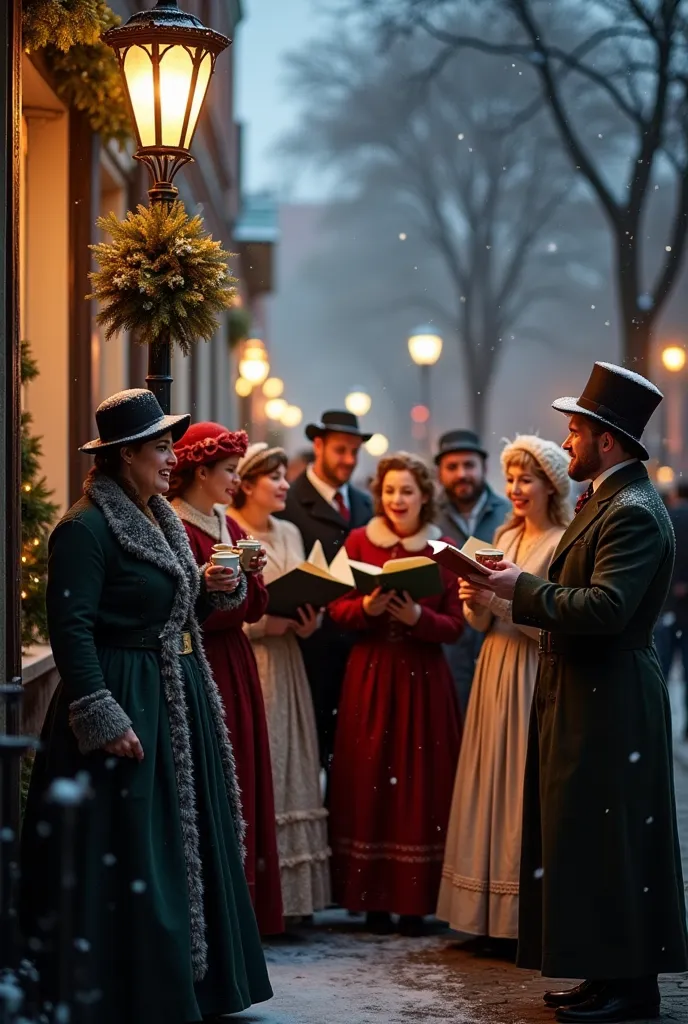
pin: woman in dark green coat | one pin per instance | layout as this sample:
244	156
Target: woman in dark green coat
165	931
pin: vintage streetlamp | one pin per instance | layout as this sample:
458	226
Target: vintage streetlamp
674	362
358	402
254	364
166	57
425	348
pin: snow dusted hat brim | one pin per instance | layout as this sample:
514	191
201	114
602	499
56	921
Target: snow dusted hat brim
620	400
133	415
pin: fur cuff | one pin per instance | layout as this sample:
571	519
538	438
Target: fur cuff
220	601
97	719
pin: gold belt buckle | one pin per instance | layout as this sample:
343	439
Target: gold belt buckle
187	646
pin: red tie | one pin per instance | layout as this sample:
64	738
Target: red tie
341	506
584	499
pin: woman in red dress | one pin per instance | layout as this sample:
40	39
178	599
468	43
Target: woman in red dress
203	483
398	731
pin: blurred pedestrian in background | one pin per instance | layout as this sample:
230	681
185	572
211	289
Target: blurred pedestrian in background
325	506
479	890
398	731
467	507
300	815
203	483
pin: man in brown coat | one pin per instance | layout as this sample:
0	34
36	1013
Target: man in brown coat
601	890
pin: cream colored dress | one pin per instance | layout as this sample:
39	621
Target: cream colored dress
479	888
300	815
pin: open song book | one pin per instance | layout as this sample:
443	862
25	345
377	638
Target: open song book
460	561
419	576
312	582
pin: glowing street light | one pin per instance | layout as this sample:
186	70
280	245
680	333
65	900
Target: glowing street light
275	408
166	58
292	416
243	387
358	402
254	365
425	346
377	445
273	387
674	358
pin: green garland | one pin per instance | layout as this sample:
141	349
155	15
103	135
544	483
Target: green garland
85	68
239	324
162	276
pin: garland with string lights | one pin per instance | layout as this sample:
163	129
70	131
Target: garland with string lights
38	514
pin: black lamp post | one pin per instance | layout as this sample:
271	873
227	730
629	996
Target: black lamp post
167	58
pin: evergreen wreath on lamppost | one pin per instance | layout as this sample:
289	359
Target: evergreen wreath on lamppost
162	277
166	58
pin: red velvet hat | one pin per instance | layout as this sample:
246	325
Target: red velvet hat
209	442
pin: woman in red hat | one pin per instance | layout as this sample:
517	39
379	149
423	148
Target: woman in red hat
202	485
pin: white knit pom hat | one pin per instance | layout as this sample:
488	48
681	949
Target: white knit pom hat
550	457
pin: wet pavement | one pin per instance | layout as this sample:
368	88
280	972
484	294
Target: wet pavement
339	975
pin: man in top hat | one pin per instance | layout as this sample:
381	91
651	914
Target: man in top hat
468	507
601	889
325	506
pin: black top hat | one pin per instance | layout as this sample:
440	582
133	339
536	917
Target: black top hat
459	441
133	415
618	398
336	423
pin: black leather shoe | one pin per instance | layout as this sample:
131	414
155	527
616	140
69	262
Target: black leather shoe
572	996
379	922
609	1007
411	926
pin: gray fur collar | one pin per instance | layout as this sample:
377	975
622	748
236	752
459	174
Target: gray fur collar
214	525
168	549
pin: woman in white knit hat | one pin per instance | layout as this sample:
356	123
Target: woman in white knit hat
300	816
479	890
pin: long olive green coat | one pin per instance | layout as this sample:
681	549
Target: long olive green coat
601	891
163	918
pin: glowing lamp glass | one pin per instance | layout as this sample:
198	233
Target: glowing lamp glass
292	416
665	475
243	387
377	445
674	358
358	403
273	388
275	408
425	346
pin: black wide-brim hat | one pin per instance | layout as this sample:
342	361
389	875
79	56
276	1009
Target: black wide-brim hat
334	422
459	441
619	399
133	415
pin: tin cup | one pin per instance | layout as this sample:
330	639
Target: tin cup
489	557
228	558
249	548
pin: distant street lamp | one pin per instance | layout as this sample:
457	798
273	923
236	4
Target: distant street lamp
673	358
377	445
292	416
674	361
425	347
273	387
275	409
166	58
243	387
358	402
254	365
